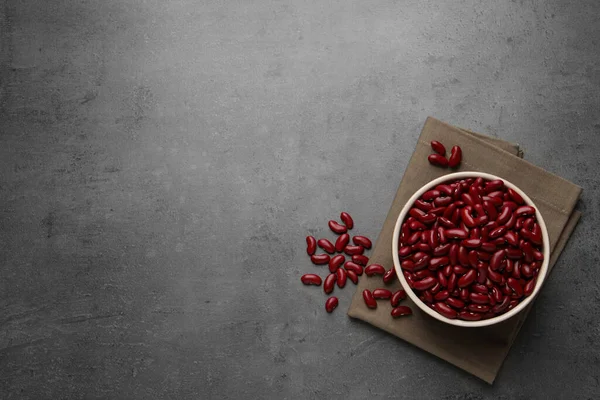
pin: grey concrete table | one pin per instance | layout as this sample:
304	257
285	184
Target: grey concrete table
162	161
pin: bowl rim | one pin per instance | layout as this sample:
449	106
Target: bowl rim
457	322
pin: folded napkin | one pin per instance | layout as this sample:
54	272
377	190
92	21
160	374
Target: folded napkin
479	351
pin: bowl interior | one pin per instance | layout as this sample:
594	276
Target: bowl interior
541	276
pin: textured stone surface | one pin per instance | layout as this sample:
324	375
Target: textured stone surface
161	163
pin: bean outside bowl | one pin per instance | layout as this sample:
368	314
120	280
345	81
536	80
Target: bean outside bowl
457	322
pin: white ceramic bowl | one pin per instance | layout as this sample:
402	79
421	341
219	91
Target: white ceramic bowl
541	276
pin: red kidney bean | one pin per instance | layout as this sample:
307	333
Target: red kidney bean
431	217
397	297
511	205
469	316
524	210
389	276
444	189
519	223
468	199
527	252
438	262
438	147
449	211
329	283
360	259
526	270
442	250
432	238
460	270
405	251
496	201
430	195
454	302
453	253
504	216
464	294
447	271
320	259
401	311
506	290
514	254
452	281
423	239
471	243
479	298
536	235
479	288
475	195
414	238
352	276
465	214
467	278
475	233
446	223
501	306
441	295
436	288
442	202
353	250
529	287
497	193
511	222
311	245
456	233
508	266
408	265
424	273
538	255
473	259
528	224
382	294
516	197
362	241
438	160
456	217
423	205
417	226
497	294
511	238
482	269
495	276
341	277
500	231
341	242
424	247
425	283
463	256
347	220
326	245
351	266
374	269
331	304
337	227
455	157
512	304
488	282
336	262
492	186
369	299
496	259
446	311
515	286
479	308
442	235
311	279
488	247
422	262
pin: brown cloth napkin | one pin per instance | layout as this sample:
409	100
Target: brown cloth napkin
479	351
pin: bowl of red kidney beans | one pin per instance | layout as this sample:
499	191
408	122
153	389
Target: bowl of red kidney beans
471	249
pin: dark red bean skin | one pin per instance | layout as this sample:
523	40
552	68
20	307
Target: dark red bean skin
326	245
336	262
329	283
397	297
452	281
479	298
311	279
454	302
413	238
337	227
423	205
341	242
320	259
311	245
351	266
460	270
511	238
442	202
500	231
514	254
362	241
446	311
441	295
382	294
496	259
516	197
347	220
417	226
405	251
529	287
464	294
442	279
442	250
480	308
473	259
424	247
501	306
389	276
512	304
526	270
408	265
524	210
438	262
515	286
341	277
467	278
431	195
424	283
422	262
471	243
354	250
360	259
479	288
447	270
352	276
438	147
369	299
374	269
331	304
455	157
438	160
504	216
401	311
456	233
469	316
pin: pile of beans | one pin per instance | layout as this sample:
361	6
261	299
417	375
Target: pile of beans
342	269
471	249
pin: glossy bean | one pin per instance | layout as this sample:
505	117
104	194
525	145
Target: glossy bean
423	247
432	238
347	220
401	311
352	276
473	259
329	283
496	259
362	241
341	242
413	238
495	276
423	205
446	223
514	254
405	251
382	294
431	195
500	231
335	262
501	305
471	243
441	295
526	270
407	265
479	288
463	256
479	308
456	233
464	294
445	310
311	245
442	250
360	259
441	202
479	298
447	271
455	157
483	256
469	316
331	304
311	279
337	227
422	262
353	250
352	266
515	286
397	297
516	197
369	299
529	287
341	277
467	278
417	226
490	210
438	160
454	302
468	199
538	255
326	245
425	283
438	262
320	259
460	270
452	281
389	276
504	216
438	147
374	269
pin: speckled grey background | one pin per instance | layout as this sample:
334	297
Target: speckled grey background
162	161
